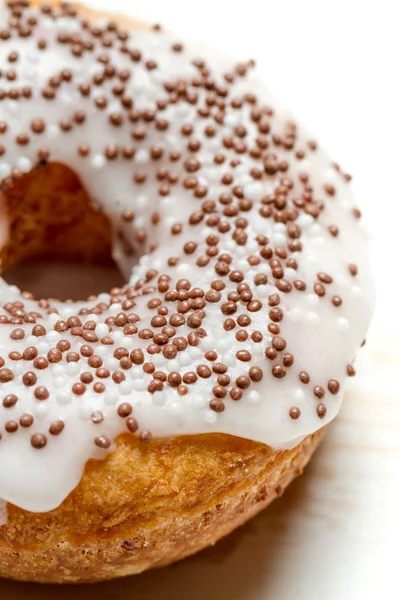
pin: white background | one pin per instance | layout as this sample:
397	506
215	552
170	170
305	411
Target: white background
334	535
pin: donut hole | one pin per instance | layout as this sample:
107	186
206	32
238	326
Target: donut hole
59	241
63	280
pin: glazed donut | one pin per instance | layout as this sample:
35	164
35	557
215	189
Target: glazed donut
145	423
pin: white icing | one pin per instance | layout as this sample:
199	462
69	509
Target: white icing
322	338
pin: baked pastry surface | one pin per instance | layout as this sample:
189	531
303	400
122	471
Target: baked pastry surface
148	506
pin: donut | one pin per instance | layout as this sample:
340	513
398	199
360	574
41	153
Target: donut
141	425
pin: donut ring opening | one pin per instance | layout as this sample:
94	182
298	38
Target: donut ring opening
51	218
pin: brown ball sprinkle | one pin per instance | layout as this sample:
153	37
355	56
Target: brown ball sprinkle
17	334
273	300
38	441
124	410
319	391
97	417
243	382
271	353
10	401
278	343
99	387
41	393
256	374
11	426
254	306
54	355
86	350
131	424
288	359
203	371
276	315
145	437
236	394
333	386
304	377
40	363
243	355
6	375
56	427
78	388
294	412
278	371
353	269
26	420
29	378
38	330
336	301
325	278
102	442
351	371
217	405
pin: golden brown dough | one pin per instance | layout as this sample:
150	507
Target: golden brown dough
148	506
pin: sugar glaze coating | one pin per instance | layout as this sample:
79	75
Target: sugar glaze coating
252	292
